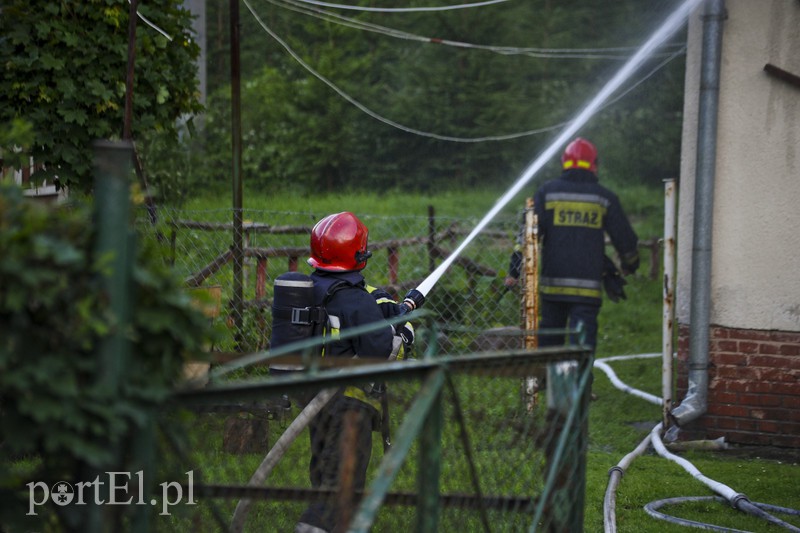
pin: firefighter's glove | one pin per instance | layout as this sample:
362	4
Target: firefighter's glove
613	282
402	342
414	299
397	348
407	333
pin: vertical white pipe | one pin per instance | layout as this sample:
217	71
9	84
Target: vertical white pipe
668	322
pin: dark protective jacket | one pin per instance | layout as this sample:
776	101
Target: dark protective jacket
349	305
574	213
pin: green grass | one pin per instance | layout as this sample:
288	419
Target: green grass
618	421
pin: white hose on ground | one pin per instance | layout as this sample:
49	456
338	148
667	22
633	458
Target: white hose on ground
720	488
277	451
615	475
736	500
601	364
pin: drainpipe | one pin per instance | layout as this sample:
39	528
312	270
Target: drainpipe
696	401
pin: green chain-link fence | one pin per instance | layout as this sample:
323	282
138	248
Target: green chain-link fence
466	453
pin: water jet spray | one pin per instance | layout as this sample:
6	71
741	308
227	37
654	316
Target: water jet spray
673	23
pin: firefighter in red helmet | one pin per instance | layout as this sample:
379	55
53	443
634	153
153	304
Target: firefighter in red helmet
338	254
339	244
574	214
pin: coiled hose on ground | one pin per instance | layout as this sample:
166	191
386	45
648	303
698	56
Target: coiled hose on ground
726	494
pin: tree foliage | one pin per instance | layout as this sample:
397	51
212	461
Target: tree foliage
54	405
64	72
300	133
396	112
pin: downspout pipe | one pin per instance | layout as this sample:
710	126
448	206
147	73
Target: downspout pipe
695	403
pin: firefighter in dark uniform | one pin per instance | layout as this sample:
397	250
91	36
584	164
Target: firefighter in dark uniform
338	254
574	213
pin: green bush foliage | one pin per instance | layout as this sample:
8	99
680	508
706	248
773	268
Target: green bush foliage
55	407
65	70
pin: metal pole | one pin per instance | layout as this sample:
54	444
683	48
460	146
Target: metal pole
112	169
430	467
236	146
668	323
696	402
112	166
531	278
127	126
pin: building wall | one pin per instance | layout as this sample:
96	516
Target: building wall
755	273
754	396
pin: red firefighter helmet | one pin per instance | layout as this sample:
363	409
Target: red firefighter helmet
580	153
339	243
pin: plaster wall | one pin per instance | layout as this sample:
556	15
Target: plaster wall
756	221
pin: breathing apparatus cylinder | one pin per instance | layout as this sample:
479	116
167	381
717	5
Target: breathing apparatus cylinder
294	315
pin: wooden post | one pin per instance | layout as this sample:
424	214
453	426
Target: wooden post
530	263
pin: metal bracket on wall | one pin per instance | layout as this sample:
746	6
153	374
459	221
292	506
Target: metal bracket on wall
792	79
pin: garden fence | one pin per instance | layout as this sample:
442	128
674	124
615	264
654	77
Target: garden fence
405	249
463	452
469	449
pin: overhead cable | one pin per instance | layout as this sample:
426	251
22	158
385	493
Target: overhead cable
615	53
421	133
146	21
403	9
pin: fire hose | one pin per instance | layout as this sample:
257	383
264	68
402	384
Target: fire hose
276	453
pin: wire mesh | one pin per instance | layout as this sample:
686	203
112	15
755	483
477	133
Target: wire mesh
405	250
492	463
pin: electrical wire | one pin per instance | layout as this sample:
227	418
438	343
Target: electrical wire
616	53
403	9
421	133
146	21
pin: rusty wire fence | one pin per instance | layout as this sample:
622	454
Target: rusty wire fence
405	250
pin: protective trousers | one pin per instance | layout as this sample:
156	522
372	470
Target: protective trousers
341	447
563	315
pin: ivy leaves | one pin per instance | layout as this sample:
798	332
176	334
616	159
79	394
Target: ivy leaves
65	68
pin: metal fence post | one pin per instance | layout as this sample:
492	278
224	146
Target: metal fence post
113	163
430	467
112	168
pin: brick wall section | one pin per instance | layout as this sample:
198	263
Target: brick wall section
753	390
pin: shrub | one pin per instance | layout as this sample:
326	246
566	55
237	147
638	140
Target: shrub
56	409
